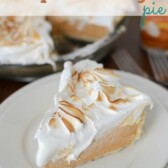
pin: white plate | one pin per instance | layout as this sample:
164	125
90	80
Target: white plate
21	113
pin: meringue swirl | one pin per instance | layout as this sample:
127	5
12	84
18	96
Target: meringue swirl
90	101
26	40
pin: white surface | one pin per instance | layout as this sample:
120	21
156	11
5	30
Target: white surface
21	113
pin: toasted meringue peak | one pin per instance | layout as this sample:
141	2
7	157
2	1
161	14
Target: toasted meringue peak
90	100
17	30
119	101
68	125
52	122
26	40
71	110
113	108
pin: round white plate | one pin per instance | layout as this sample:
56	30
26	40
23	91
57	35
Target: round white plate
21	113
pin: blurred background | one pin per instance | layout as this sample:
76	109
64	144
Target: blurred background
31	48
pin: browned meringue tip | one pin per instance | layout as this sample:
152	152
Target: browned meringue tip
113	108
14	32
119	101
75	98
68	125
106	72
108	89
99	97
72	111
52	122
71	88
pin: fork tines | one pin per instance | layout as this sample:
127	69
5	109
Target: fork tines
159	64
126	62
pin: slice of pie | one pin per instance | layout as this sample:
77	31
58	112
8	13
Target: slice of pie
94	115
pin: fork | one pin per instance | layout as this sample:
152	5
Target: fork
166	166
159	64
125	62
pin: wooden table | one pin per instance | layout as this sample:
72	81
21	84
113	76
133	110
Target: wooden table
130	40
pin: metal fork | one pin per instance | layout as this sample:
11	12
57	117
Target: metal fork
125	62
166	166
159	64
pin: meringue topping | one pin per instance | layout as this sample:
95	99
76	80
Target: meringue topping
16	30
71	110
26	40
90	101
